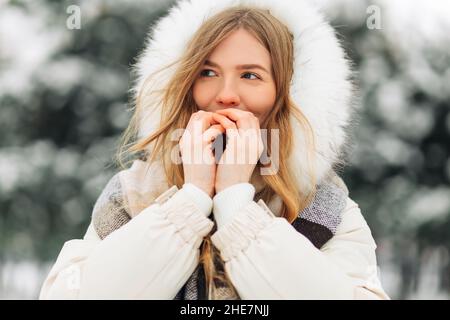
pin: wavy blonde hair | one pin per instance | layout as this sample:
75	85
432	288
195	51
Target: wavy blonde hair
177	105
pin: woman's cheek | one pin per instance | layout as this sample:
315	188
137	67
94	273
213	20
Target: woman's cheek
199	96
203	95
261	112
261	106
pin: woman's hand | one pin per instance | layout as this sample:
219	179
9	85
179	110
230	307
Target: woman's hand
243	149
199	163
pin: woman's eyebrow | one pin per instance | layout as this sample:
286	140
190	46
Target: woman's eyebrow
239	67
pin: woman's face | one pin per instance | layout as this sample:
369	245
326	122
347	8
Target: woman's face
237	74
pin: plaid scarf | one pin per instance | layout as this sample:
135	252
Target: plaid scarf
317	222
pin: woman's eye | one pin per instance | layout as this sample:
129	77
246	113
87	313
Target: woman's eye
205	72
209	73
251	74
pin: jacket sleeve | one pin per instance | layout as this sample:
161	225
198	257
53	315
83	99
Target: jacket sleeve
266	258
151	256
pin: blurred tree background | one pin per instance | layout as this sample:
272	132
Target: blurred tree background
64	103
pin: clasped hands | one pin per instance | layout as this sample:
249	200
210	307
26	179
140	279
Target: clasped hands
244	146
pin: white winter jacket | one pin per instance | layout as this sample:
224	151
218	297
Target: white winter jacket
153	255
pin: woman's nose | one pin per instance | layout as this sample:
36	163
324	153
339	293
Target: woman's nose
227	97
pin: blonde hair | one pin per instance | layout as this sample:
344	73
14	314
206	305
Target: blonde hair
177	105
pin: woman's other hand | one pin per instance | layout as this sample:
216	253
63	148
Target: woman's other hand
243	149
199	164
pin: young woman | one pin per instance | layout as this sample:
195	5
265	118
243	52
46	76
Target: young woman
272	80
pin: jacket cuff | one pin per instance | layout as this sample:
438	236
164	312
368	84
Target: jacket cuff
181	211
243	229
230	200
201	199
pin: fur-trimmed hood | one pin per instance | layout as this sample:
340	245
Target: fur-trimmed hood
321	84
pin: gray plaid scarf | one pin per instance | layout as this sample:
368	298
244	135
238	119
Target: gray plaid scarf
317	222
